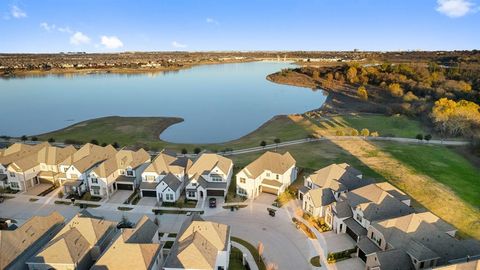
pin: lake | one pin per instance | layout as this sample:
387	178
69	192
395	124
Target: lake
218	102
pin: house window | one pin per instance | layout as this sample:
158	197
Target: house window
216	178
130	173
359	218
268	174
242	180
241	191
309	184
14	185
96	192
191	194
220	268
169	197
1	170
422	264
150	178
94	180
194	184
12	174
277	176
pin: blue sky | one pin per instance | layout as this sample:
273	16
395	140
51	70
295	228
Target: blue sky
199	25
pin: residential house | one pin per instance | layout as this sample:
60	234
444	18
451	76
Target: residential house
137	248
469	265
40	166
200	245
165	177
426	239
77	167
340	178
120	171
271	173
357	209
325	186
18	245
209	175
76	246
13	153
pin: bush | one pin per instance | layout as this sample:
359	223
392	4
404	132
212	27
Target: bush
338	256
104	144
340	133
24	138
93	141
362	93
419	137
116	145
60	194
51	140
184	151
365	132
263	143
354	132
197	150
34	138
277	140
428	137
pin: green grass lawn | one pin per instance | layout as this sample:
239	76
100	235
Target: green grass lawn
443	165
253	250
389	126
236	261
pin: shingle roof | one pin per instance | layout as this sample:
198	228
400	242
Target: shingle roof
92	229
274	162
166	162
472	265
123	159
376	203
419	235
14	243
17	151
321	196
338	177
149	185
90	155
216	185
172	181
198	244
145	230
207	162
394	259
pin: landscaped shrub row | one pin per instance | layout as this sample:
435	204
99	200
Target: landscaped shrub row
304	228
339	256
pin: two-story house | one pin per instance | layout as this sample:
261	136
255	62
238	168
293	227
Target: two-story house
41	166
271	173
120	171
209	175
200	245
426	240
357	209
79	165
164	178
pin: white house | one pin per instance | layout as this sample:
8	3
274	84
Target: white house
315	201
271	173
164	178
200	245
209	175
78	167
121	171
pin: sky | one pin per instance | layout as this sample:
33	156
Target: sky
246	25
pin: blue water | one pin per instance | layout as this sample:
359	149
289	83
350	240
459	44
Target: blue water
218	102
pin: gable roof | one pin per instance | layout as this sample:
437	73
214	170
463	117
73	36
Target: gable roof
376	203
14	243
424	236
274	162
135	242
198	244
19	151
93	229
321	196
166	162
338	177
393	259
47	154
172	181
206	162
123	159
89	155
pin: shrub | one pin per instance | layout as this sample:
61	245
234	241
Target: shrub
395	90
365	132
24	138
116	145
60	194
374	134
263	143
428	137
34	138
104	144
419	137
354	132
51	140
362	93
277	140
340	133
93	141
197	150
184	151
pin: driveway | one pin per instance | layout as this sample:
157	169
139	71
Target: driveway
338	242
265	199
148	201
37	189
120	196
283	244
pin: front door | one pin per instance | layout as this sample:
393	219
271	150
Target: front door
201	194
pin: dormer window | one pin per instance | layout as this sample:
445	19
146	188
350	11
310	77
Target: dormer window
129	172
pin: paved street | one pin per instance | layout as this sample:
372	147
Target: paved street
284	245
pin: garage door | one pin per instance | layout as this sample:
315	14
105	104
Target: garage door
149	193
124	187
218	193
270	190
361	255
352	234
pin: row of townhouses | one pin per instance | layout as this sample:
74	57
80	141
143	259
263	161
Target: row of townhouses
387	231
104	170
88	242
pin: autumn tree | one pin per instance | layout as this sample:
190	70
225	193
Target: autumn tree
354	132
456	118
365	132
395	89
352	75
362	93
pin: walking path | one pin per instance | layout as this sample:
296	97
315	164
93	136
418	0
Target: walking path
245	251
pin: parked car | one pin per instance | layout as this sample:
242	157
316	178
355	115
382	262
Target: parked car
212	202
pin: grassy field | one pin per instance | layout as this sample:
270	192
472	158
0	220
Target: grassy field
388	126
443	165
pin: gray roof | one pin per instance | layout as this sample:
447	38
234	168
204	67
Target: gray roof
211	185
172	181
321	196
394	259
143	233
367	246
3	177
355	227
419	251
342	209
125	179
148	185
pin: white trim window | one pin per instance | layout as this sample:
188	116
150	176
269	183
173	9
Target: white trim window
241	191
169	197
14	185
